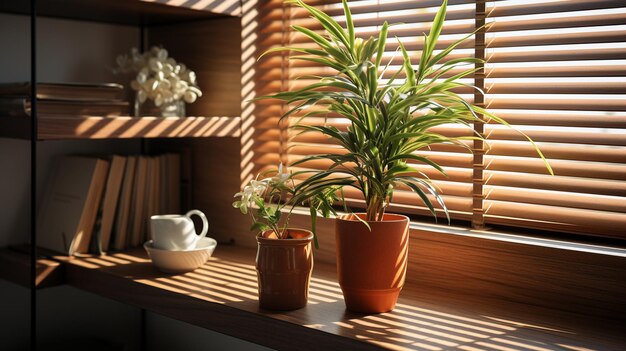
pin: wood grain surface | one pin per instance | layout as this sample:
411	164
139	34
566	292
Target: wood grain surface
222	296
123	127
15	267
558	275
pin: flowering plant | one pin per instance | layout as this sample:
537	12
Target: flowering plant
267	199
159	77
267	195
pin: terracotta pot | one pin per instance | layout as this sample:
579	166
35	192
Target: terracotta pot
284	269
371	265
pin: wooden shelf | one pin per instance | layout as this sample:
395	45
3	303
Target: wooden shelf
131	12
222	296
123	127
15	267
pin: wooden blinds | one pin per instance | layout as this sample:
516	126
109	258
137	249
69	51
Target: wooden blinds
415	18
555	70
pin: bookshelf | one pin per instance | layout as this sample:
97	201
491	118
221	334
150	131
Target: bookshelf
15	267
134	12
122	127
187	30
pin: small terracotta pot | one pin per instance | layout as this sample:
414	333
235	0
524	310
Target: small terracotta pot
371	265
284	269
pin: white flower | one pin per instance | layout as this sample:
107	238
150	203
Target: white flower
155	64
141	95
135	85
190	97
253	190
158	100
280	177
168	69
142	77
192	77
162	54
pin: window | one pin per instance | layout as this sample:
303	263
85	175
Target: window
555	70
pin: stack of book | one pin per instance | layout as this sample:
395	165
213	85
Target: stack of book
63	99
96	204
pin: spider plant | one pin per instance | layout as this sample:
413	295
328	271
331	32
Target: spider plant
390	119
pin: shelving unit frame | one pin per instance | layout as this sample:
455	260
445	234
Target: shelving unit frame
220	107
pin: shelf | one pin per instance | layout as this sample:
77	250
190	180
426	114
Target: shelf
64	128
15	267
131	12
222	296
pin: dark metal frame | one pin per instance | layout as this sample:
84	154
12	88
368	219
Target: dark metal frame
33	175
33	180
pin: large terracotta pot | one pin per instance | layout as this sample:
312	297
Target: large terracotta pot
371	265
284	269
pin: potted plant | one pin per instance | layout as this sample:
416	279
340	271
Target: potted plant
284	260
389	122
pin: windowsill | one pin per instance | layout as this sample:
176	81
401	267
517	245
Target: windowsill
521	239
552	274
465	290
221	296
497	235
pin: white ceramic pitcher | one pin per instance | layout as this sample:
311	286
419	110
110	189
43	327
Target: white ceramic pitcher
177	232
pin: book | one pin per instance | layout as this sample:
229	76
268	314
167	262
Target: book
122	214
164	185
138	210
150	195
110	200
173	183
67	91
156	186
68	211
20	106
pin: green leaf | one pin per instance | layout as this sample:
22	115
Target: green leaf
382	39
349	23
259	202
408	68
323	43
436	27
259	227
314	226
422	195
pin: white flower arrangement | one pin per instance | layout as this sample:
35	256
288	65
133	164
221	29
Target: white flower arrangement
265	198
159	77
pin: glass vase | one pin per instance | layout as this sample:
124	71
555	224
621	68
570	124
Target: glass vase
148	108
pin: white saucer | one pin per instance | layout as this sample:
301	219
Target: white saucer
181	261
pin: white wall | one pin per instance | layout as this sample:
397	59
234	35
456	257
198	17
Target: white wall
71	51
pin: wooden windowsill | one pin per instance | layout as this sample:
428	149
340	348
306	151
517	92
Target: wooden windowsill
222	296
120	127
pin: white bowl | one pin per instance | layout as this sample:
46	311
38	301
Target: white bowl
181	261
